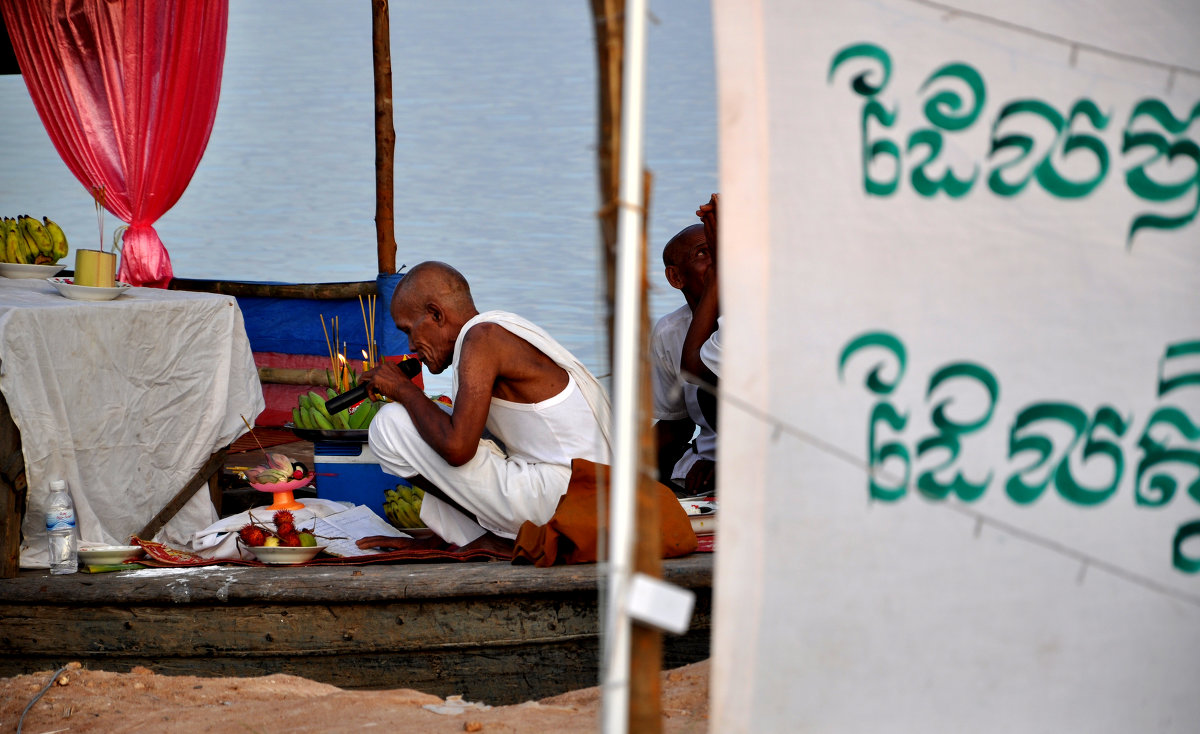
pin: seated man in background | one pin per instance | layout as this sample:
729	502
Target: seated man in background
510	377
682	460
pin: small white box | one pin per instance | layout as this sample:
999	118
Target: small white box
660	604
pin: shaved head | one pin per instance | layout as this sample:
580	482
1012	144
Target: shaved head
687	259
430	282
680	246
431	305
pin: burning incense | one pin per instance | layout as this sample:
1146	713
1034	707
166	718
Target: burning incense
371	355
101	196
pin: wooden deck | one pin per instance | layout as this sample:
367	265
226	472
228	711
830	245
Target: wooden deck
493	632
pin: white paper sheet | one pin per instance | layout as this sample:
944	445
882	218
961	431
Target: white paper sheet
339	532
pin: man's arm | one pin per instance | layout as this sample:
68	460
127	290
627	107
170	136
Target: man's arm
454	436
704	323
704	315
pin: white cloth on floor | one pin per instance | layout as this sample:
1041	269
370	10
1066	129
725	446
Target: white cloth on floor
503	490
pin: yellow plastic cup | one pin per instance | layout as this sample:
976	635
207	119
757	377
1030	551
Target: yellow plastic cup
95	268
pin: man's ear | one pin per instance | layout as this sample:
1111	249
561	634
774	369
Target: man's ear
674	278
436	313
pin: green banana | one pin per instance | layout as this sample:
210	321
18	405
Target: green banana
58	240
318	404
332	393
339	421
321	421
296	418
306	418
304	401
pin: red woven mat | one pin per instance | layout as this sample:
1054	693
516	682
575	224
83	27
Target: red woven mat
162	556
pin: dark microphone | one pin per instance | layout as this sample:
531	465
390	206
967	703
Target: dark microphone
410	367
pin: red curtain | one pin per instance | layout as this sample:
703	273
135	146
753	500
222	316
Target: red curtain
127	90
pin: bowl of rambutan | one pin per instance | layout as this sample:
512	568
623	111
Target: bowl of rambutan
283	544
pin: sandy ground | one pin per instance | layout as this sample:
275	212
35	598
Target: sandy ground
141	701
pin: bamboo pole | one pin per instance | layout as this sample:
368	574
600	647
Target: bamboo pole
633	652
608	19
645	669
385	138
294	376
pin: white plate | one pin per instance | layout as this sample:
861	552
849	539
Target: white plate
704	524
109	554
87	292
283	555
20	270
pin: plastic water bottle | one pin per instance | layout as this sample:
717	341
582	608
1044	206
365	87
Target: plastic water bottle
60	525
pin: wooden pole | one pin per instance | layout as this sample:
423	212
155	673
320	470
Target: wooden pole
181	498
645	669
385	138
608	18
645	684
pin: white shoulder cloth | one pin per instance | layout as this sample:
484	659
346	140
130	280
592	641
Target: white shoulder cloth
593	391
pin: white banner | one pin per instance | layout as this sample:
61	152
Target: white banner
960	438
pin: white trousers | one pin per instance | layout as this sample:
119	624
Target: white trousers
502	491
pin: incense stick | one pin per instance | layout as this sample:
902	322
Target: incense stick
328	346
366	324
248	428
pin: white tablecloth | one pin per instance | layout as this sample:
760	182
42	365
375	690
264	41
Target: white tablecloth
125	400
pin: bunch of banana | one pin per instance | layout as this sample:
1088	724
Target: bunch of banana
402	506
27	241
312	413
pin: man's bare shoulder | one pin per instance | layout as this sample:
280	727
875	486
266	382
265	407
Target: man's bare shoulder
523	373
489	335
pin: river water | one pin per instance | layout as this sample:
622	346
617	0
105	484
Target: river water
495	116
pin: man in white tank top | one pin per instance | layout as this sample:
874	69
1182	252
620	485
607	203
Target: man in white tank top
509	377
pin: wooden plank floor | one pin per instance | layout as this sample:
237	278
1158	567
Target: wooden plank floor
491	631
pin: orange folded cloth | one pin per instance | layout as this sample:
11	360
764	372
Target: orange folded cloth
570	536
